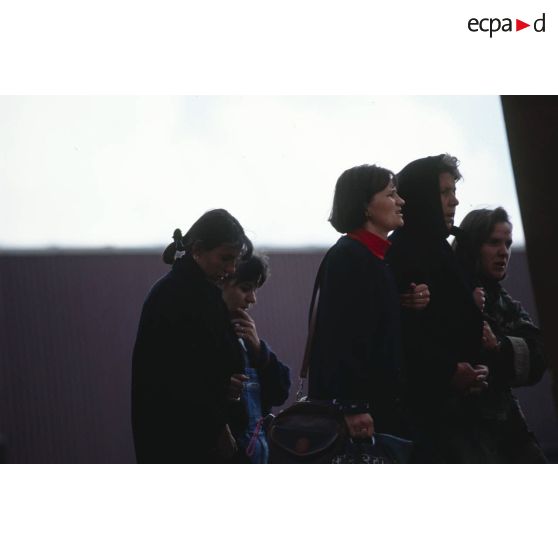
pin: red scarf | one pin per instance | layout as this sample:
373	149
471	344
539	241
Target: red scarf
376	244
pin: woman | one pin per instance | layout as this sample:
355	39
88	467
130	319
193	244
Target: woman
265	381
512	344
186	349
444	369
355	353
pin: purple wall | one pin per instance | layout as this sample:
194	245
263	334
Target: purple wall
67	328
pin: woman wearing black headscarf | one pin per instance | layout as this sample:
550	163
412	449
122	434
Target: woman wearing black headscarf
186	349
444	372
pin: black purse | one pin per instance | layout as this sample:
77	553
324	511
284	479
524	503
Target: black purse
311	431
315	432
307	432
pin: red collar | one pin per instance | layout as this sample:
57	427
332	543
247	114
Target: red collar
376	244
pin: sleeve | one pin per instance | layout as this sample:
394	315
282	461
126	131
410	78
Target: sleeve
348	317
520	360
430	348
189	382
275	377
430	356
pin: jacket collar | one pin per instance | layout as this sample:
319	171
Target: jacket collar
376	244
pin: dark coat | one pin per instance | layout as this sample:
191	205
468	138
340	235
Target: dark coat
184	356
519	361
448	331
274	376
355	355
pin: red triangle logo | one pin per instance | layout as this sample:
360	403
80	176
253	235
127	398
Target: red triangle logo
519	25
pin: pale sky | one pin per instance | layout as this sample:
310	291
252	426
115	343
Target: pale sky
94	172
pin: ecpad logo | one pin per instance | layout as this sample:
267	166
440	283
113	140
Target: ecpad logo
493	25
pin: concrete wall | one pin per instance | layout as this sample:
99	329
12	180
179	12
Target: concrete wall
67	328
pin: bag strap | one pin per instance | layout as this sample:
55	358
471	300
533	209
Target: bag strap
304	369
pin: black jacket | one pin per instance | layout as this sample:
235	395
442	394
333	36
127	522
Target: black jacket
184	356
520	360
449	330
274	376
355	355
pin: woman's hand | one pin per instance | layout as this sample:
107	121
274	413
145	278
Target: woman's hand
479	296
489	340
360	426
245	328
470	380
482	379
417	297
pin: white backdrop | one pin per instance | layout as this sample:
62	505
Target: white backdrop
101	171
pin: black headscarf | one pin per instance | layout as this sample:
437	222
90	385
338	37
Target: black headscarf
419	185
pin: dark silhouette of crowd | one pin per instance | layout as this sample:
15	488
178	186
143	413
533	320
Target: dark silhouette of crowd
411	335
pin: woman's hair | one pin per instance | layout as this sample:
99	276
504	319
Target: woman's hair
214	228
479	224
254	269
475	230
353	191
449	163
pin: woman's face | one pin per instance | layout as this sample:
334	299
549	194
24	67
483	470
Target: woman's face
239	295
218	262
448	198
384	211
495	252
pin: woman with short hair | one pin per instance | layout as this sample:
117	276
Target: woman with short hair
265	380
355	357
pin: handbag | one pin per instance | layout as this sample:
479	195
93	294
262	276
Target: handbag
314	431
307	432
